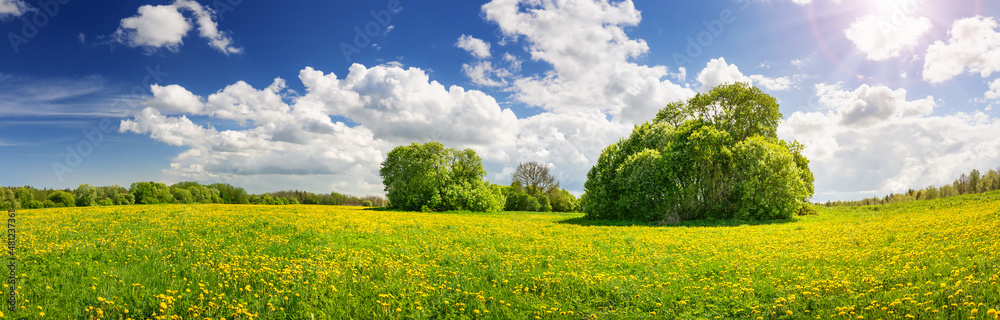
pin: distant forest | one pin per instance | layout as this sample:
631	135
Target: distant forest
971	183
154	193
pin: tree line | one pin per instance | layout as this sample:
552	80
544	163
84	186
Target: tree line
971	183
86	195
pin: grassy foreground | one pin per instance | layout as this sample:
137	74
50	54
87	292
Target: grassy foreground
936	259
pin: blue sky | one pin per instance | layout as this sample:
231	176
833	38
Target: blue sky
310	95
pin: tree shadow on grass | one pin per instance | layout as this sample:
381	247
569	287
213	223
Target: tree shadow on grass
583	221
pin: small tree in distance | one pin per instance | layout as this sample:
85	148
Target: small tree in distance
535	178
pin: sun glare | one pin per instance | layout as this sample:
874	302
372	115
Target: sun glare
896	6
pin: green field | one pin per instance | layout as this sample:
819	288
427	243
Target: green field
928	259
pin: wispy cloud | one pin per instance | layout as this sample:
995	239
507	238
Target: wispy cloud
89	96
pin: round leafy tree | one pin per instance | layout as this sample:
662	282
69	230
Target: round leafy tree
716	155
430	177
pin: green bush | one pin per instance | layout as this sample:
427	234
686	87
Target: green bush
477	197
563	201
62	199
8	200
430	177
806	209
366	203
518	200
86	195
151	193
770	185
182	195
33	204
715	156
545	205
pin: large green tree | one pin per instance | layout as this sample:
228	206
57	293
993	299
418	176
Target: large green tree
431	177
86	195
151	193
60	198
716	155
8	200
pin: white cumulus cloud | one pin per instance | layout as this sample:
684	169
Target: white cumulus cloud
867	105
477	47
174	98
718	72
973	44
485	74
165	26
405	105
881	37
590	55
285	138
12	8
875	139
994	92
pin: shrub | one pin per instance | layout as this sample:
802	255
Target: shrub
430	177
182	195
8	200
806	209
518	200
86	195
151	193
367	203
61	198
544	204
715	156
563	201
34	204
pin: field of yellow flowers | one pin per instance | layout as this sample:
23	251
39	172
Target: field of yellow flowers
935	259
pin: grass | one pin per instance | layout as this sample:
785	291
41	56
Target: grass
934	259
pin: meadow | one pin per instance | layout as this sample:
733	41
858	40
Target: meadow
926	260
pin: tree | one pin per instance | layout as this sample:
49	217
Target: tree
563	201
431	177
182	195
993	180
86	195
8	200
716	155
770	185
974	180
740	109
518	200
535	178
151	193
931	193
545	204
230	194
62	198
24	195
